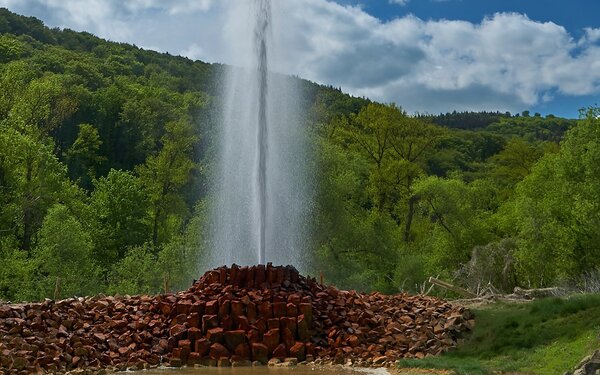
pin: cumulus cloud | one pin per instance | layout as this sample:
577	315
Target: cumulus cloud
591	36
506	62
166	25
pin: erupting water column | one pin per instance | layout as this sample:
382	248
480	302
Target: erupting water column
262	26
260	181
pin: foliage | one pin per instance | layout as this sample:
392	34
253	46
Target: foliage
117	216
111	146
557	208
467	120
17	274
82	157
64	256
136	273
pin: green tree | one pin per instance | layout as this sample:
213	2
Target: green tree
350	236
514	162
397	147
174	257
371	132
164	175
18	272
42	106
557	209
511	165
83	156
136	273
458	221
14	79
412	141
64	256
10	48
31	180
118	216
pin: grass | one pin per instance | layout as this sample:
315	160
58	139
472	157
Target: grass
548	336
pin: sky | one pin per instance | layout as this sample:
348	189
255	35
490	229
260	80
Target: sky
428	56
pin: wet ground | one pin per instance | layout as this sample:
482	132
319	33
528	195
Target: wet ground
268	370
298	370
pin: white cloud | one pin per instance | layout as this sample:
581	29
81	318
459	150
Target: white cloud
505	62
171	6
591	36
194	52
399	2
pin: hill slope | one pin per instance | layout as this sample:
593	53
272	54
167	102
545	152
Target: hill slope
106	153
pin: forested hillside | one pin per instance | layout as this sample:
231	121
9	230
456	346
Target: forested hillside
105	158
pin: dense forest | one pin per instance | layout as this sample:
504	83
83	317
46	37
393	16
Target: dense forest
106	153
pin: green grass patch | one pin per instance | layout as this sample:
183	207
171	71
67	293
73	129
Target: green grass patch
548	336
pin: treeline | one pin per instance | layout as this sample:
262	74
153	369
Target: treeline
106	153
513	203
521	125
102	149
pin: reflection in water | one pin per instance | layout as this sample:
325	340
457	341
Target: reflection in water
267	370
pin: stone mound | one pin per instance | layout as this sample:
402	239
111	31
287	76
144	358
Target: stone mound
235	314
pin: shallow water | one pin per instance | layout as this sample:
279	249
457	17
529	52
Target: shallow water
268	370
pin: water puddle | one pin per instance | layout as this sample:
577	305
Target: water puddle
268	370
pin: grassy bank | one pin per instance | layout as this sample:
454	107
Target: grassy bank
548	336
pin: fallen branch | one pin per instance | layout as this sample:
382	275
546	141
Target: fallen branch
537	293
451	287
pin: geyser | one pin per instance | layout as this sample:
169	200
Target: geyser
260	183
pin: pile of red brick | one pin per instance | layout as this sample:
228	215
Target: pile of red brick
236	314
82	333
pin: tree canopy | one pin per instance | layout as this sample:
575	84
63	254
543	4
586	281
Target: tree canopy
106	151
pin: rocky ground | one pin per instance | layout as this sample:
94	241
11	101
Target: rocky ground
590	365
231	316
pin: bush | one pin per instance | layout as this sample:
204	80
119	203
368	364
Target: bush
137	273
16	273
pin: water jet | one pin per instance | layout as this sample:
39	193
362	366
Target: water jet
260	180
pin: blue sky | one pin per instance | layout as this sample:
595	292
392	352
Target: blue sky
426	55
574	15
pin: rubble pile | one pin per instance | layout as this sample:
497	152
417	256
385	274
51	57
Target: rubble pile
230	316
94	332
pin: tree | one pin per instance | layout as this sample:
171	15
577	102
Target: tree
165	174
118	216
10	48
18	272
143	271
411	142
136	273
31	180
174	257
458	221
83	156
14	80
64	256
397	146
42	106
511	165
557	211
514	162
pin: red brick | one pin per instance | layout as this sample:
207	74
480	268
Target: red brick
218	351
260	352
